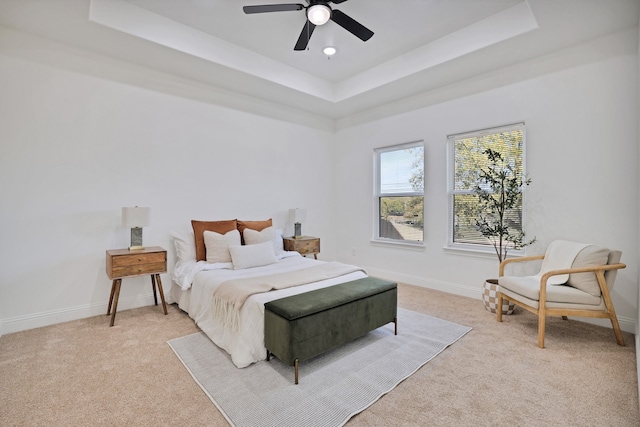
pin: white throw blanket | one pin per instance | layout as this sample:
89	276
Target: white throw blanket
559	256
229	297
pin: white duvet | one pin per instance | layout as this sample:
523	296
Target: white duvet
246	345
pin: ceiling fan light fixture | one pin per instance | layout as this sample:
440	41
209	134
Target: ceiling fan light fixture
318	14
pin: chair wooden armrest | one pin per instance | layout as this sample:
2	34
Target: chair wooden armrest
521	259
595	268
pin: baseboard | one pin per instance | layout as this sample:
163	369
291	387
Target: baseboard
37	320
626	324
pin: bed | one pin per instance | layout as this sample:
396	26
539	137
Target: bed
234	252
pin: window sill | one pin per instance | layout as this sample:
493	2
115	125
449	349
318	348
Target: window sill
415	246
471	251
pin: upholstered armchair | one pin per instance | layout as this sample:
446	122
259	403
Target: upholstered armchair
575	280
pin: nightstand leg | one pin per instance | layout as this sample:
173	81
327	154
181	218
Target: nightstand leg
118	282
113	289
164	304
315	256
153	286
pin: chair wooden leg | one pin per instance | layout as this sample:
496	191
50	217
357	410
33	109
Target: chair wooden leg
541	326
616	330
612	311
565	318
499	309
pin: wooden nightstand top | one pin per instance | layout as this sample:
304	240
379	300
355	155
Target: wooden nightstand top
126	251
126	263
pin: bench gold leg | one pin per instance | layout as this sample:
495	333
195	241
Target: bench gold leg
295	364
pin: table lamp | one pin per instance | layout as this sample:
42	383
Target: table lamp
297	215
135	218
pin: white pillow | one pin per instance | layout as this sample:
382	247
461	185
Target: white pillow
247	256
269	234
185	245
217	245
278	242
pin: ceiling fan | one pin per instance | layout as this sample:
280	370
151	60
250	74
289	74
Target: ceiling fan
318	13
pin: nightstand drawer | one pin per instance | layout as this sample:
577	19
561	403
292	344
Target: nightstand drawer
137	259
308	246
134	270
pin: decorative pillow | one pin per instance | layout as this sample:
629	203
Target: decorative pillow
185	245
269	234
199	227
218	245
253	225
247	256
590	256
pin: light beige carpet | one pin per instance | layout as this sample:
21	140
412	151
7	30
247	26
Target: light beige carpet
84	373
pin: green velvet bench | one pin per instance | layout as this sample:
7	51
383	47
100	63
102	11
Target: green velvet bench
303	326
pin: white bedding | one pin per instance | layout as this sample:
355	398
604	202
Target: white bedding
246	345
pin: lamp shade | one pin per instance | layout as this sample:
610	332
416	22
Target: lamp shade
297	215
135	217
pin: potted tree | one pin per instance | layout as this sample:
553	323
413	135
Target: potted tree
499	192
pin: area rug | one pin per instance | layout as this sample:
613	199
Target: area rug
332	388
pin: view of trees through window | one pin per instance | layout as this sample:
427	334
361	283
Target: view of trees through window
469	158
401	193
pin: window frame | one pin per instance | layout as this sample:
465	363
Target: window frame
377	194
477	248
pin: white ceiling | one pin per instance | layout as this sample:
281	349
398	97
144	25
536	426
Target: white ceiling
418	45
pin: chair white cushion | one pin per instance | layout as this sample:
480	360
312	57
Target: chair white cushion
529	287
558	305
590	256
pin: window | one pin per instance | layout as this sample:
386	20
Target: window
400	193
467	157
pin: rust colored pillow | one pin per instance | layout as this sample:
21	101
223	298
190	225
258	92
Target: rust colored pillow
199	227
253	225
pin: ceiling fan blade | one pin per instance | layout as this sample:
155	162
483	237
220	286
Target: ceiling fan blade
351	25
272	8
305	36
337	1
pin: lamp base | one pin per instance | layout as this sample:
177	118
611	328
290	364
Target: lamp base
297	230
136	239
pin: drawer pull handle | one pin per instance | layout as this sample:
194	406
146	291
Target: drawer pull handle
139	259
139	270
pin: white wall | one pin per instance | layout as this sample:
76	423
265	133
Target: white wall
74	149
581	153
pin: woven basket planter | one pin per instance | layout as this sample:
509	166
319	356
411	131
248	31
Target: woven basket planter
490	298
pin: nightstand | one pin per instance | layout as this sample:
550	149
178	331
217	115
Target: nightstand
123	263
304	245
